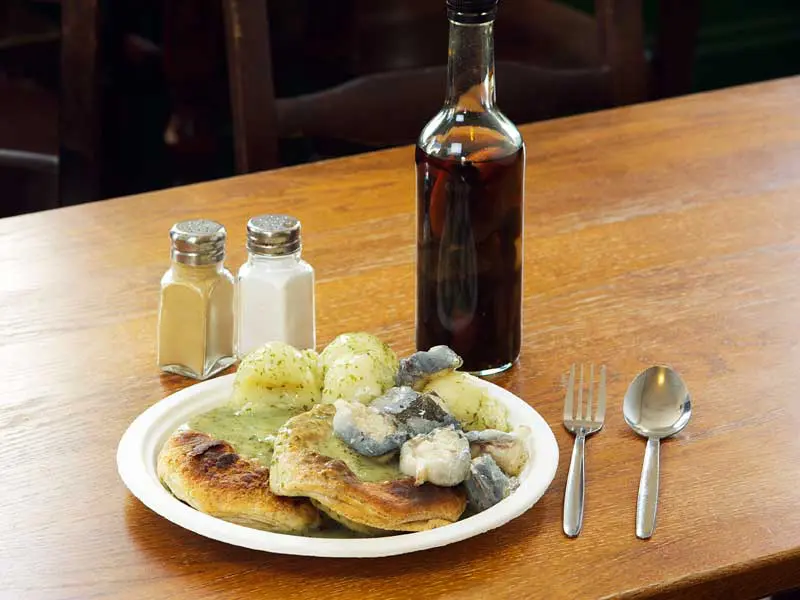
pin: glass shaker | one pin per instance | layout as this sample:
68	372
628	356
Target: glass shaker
275	287
195	316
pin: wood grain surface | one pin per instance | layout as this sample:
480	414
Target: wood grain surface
667	232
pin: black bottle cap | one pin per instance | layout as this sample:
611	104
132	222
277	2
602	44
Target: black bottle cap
471	11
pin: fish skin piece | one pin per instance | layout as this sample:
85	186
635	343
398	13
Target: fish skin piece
367	431
425	414
487	484
417	413
395	400
416	370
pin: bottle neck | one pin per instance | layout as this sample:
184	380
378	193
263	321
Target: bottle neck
470	67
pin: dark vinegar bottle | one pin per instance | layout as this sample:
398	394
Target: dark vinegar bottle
470	186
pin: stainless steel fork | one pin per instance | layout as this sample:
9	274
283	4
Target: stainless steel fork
581	423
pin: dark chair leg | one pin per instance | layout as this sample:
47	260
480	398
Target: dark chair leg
80	108
251	87
621	28
679	21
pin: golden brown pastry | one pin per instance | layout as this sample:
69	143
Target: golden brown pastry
208	475
310	461
364	530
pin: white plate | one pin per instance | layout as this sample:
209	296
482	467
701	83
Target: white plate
139	447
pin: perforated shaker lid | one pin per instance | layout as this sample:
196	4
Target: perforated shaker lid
273	235
198	242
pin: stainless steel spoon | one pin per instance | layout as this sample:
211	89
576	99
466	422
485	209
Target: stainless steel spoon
657	405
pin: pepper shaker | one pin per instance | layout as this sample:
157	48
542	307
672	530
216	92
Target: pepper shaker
195	315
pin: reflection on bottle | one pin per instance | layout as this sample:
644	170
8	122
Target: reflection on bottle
457	275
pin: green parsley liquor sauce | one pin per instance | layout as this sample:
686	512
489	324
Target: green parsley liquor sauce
249	429
365	468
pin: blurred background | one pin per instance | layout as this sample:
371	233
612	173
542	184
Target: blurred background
101	99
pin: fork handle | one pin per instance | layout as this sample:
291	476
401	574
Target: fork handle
573	495
647	502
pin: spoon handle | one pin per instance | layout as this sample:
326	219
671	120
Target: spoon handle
573	495
647	502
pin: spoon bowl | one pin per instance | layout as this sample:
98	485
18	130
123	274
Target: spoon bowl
656	405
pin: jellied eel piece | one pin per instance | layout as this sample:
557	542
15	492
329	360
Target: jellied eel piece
419	368
365	430
416	413
440	457
487	484
507	449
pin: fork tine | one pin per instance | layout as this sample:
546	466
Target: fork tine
601	395
588	413
580	397
570	392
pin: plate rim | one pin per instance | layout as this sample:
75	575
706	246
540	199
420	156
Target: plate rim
135	474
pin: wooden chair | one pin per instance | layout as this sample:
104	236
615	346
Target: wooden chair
679	22
600	62
29	181
80	156
28	147
50	142
28	111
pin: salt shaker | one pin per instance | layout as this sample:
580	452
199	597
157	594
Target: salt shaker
195	315
275	287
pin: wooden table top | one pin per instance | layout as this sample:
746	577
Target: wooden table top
667	232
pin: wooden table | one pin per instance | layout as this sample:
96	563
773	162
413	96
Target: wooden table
664	232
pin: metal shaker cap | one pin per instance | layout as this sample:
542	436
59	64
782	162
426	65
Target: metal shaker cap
198	242
273	235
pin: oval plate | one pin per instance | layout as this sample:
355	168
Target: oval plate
139	447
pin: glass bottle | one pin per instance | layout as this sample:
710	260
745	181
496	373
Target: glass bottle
470	163
195	315
275	287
